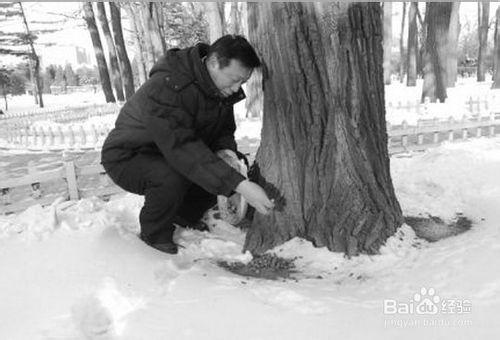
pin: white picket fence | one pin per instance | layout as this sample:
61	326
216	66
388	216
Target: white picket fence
53	114
24	130
61	137
431	132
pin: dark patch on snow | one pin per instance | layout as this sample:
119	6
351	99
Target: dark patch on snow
267	266
433	228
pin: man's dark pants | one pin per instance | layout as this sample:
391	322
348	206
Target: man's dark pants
168	196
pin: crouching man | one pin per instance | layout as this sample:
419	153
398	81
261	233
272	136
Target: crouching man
167	135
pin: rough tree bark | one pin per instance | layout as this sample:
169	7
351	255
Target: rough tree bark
323	155
215	20
387	11
34	60
99	53
483	16
125	68
411	60
496	57
437	21
402	46
116	76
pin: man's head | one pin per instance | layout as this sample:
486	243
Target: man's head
230	62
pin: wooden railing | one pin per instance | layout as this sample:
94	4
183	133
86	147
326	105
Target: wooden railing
431	132
20	193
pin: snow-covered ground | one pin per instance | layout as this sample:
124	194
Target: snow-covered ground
78	270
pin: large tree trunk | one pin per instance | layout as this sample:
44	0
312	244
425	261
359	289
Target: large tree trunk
402	46
411	60
140	54
483	15
323	155
453	34
37	88
496	58
387	10
126	69
99	53
113	59
215	20
437	20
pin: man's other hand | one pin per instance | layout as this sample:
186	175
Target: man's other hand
255	196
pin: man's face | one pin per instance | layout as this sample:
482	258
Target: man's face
228	79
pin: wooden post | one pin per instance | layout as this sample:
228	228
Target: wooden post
450	135
478	131
104	179
71	181
404	141
36	191
435	137
464	134
6	198
420	139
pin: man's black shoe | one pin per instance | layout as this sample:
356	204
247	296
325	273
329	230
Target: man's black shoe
199	225
167	247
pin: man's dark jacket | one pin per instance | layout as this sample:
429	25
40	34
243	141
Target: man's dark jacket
180	114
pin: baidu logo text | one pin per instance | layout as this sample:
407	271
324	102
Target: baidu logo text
427	302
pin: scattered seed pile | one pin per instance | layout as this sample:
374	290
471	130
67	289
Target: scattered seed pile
433	228
267	266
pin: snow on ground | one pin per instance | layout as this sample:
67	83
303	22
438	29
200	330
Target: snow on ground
78	270
26	103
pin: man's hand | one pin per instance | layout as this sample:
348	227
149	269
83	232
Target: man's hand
255	196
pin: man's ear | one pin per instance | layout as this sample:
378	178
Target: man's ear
212	62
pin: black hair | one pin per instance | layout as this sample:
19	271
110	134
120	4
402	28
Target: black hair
234	47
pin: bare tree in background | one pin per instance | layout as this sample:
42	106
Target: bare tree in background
99	53
437	21
33	58
140	55
387	12
235	15
125	68
323	154
412	53
496	56
483	16
402	46
214	12
453	34
113	59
